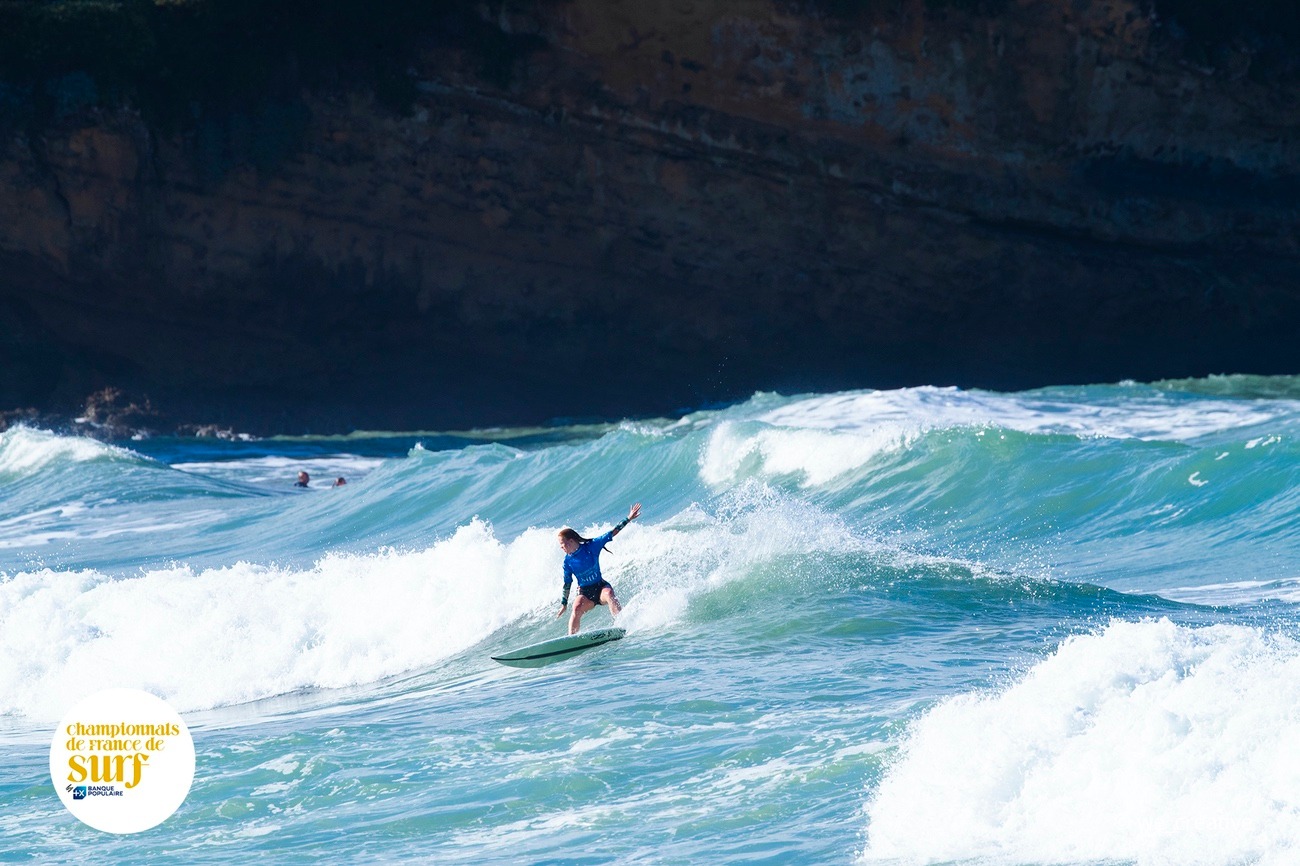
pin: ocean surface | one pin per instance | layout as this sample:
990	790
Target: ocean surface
920	626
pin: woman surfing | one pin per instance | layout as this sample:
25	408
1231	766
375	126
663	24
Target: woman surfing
582	563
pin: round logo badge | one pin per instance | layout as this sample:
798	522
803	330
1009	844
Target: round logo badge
122	761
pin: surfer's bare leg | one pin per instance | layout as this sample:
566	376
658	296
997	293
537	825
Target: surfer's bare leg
607	597
581	606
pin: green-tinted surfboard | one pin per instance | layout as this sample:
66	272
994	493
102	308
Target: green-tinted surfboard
559	649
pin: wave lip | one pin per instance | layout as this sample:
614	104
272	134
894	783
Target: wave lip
220	636
223	636
1148	742
1110	412
25	451
737	451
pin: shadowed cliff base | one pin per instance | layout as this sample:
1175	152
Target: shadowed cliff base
335	361
586	209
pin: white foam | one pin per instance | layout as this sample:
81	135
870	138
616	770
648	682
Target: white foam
735	451
221	636
591	744
823	438
32	531
662	568
1233	592
25	450
285	765
1147	743
235	634
1148	416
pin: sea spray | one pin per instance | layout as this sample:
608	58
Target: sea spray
234	634
230	635
1146	742
25	451
920	626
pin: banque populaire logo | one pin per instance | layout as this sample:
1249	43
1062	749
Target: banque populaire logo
122	761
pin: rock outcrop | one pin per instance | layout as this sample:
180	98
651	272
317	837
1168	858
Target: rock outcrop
662	206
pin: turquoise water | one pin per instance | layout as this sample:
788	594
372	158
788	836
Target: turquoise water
909	627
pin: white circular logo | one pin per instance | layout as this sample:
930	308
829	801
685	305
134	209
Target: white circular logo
122	761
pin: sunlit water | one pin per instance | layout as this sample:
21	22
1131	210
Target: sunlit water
918	626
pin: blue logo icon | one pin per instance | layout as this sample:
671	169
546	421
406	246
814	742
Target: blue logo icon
79	792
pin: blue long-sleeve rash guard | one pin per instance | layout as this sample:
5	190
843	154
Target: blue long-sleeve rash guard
584	563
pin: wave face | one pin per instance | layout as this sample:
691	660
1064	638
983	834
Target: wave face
916	626
1147	742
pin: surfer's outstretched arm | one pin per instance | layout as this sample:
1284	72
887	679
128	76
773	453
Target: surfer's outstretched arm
582	564
633	513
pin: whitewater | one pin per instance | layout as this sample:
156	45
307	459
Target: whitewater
920	626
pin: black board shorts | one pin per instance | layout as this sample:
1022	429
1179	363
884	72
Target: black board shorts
592	590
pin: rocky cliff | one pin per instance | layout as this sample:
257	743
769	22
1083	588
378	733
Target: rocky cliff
654	206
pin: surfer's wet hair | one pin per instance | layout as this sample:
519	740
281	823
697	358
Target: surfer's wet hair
567	534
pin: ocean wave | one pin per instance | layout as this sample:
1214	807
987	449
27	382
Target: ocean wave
213	637
25	451
229	635
1148	743
1111	412
736	451
839	440
280	472
1239	386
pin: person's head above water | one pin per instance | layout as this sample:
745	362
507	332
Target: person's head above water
570	540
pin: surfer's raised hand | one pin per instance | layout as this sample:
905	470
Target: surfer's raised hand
631	515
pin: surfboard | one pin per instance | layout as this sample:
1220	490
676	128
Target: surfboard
558	649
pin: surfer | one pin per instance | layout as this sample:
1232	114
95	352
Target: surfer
582	562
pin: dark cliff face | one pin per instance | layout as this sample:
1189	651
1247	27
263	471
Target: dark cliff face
660	208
